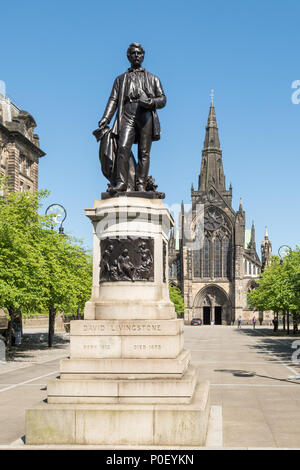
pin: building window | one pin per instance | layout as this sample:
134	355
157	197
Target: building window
245	267
196	263
227	257
21	186
250	269
21	162
217	257
206	257
27	167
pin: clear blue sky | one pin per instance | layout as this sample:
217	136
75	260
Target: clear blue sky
59	60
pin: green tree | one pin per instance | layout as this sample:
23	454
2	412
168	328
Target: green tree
279	286
68	276
177	299
39	268
21	262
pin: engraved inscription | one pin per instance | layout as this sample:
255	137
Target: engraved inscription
147	347
121	327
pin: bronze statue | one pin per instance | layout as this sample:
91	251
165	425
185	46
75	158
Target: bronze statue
135	95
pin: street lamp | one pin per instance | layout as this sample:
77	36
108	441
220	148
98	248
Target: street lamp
58	214
284	250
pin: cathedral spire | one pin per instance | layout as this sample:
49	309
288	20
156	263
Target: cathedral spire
211	173
211	136
266	250
266	233
241	205
252	239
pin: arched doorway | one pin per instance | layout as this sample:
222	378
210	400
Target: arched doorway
212	304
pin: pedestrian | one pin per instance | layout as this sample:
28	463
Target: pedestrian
254	322
275	323
239	322
17	335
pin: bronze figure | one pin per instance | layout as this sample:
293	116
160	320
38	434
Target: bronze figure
135	96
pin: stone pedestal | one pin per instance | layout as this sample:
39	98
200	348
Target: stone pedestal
129	379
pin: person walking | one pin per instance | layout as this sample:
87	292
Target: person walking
254	322
239	322
275	323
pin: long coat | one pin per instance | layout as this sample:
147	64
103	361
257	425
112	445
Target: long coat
153	89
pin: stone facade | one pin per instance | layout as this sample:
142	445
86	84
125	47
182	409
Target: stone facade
19	147
215	262
19	153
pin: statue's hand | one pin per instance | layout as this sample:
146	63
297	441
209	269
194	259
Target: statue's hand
103	122
146	102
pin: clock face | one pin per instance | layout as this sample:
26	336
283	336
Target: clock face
212	219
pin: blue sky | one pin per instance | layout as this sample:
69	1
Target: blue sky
59	60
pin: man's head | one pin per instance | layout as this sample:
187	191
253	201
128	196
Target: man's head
135	54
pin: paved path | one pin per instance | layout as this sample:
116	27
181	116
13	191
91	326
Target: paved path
21	389
249	374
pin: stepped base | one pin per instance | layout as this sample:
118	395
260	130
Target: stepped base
162	390
121	424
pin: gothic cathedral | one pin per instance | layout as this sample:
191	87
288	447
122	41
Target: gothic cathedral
215	262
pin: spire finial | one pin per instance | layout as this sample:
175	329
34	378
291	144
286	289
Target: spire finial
212	92
266	232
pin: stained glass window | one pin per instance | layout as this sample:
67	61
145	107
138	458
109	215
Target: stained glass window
217	257
206	258
196	263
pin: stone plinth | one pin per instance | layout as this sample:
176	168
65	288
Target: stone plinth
128	379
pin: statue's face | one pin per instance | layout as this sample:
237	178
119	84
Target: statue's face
136	56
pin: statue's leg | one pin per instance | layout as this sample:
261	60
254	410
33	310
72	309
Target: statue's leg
125	142
144	145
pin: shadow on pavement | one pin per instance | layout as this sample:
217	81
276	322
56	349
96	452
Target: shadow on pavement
281	349
36	342
247	374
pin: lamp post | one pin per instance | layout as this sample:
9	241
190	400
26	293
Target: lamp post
58	214
283	250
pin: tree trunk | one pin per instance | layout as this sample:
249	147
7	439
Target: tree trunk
283	321
52	313
288	322
21	321
10	331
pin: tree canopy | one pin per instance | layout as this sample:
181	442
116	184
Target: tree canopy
39	268
177	299
279	285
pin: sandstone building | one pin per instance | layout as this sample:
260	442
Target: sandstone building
19	154
215	263
19	147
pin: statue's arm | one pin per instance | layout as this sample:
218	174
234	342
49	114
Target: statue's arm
160	99
111	104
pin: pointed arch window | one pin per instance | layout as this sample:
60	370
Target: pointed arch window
196	263
217	257
206	257
227	253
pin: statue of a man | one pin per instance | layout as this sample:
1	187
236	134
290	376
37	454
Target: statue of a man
136	95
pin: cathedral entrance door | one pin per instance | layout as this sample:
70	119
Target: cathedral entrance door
218	315
206	315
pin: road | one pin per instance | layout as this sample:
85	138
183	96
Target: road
249	372
249	375
21	389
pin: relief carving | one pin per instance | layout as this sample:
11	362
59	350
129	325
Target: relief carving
129	259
